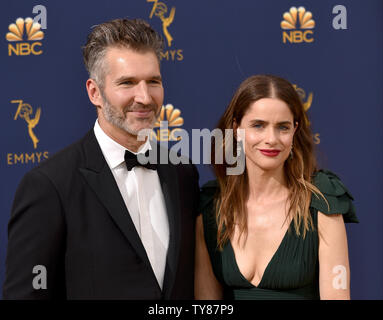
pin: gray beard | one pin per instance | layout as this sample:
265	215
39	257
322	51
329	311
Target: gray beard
118	118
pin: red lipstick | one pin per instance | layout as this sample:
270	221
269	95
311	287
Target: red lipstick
270	152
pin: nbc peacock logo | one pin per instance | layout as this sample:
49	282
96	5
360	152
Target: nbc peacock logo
297	19
21	30
173	118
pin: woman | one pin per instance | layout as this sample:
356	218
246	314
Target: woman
277	230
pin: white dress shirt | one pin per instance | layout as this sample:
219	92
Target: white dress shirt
141	190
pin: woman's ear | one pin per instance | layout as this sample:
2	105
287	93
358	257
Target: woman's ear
296	126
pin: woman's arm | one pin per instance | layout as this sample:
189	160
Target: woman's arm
334	269
206	286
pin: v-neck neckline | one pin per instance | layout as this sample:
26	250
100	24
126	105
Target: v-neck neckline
234	260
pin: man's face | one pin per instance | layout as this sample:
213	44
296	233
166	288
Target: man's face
133	92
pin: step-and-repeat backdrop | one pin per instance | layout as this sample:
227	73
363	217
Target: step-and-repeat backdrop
330	50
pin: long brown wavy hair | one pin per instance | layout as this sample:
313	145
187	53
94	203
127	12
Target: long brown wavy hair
234	189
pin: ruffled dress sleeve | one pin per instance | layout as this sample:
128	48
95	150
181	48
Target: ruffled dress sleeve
337	195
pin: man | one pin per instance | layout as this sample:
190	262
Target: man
91	222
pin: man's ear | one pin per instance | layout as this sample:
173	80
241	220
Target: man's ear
94	93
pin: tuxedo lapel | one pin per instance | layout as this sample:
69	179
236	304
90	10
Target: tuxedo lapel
99	177
167	174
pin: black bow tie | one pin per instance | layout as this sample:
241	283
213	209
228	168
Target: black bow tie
131	161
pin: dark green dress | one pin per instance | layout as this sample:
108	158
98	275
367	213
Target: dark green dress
293	271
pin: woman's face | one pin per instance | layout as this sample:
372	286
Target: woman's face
269	131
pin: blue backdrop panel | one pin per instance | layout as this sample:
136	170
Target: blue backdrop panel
214	46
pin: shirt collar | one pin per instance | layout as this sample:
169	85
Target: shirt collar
113	152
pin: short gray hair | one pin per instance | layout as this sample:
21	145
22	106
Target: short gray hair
135	34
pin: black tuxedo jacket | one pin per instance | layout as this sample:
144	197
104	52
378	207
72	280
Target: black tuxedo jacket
68	216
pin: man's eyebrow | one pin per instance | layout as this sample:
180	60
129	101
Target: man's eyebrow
126	78
157	78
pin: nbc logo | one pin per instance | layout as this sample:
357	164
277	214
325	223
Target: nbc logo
172	116
16	34
290	21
